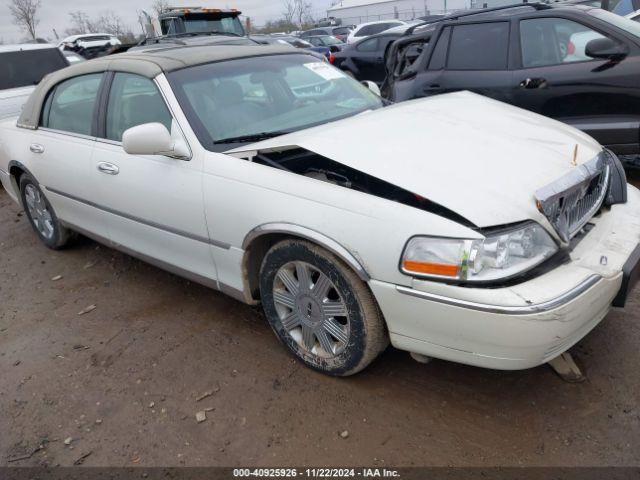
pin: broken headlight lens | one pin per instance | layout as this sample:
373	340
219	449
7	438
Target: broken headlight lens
499	256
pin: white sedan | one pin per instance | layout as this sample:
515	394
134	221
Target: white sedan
454	227
372	28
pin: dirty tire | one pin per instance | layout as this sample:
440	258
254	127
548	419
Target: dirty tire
60	235
367	336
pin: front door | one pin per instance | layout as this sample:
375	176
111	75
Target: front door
557	79
154	203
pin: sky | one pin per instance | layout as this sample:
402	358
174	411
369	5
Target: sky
55	13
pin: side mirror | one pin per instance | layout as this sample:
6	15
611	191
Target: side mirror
606	49
371	86
154	139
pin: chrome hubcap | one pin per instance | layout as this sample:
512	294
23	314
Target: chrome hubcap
311	309
38	211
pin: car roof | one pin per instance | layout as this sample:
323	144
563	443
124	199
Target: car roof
148	64
25	46
391	20
502	12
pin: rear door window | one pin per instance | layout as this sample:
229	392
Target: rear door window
482	46
439	55
133	101
27	67
71	105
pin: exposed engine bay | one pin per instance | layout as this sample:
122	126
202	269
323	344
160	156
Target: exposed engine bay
309	164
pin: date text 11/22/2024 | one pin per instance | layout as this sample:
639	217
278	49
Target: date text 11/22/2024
316	472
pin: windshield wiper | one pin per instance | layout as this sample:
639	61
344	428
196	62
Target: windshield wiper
254	137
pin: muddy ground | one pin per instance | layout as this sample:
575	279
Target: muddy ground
120	384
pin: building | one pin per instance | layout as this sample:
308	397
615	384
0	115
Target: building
353	12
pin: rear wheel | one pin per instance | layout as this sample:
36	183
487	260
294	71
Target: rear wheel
41	215
319	308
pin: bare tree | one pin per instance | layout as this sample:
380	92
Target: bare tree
289	10
160	6
110	22
25	14
303	12
80	23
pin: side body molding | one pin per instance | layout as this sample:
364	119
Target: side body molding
312	235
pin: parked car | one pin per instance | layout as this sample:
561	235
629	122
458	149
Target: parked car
21	68
329	22
340	32
90	45
292	41
272	176
576	64
364	60
372	28
326	41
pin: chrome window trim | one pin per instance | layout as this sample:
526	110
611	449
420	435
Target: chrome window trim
68	134
142	221
532	309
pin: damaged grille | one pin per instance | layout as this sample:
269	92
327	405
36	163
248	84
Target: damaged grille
571	201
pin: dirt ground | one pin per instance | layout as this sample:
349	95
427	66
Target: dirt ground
118	386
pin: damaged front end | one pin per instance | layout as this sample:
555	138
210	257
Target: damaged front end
309	164
572	200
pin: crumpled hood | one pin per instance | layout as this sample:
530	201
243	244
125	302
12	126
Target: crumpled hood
481	158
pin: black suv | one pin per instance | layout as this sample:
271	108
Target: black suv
577	64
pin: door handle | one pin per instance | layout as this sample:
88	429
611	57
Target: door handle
533	83
433	86
36	148
108	168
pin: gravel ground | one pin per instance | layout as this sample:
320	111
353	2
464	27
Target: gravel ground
119	385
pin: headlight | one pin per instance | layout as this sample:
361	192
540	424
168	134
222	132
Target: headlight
498	256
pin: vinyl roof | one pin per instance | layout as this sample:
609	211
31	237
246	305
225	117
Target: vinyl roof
148	64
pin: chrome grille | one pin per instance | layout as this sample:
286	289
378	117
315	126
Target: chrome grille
571	201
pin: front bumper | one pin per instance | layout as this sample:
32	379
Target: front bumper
524	325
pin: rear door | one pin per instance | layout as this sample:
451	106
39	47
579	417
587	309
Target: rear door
472	57
61	151
557	79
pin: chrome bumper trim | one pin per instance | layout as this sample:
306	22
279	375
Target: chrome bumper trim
507	310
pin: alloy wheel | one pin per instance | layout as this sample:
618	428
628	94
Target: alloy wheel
311	309
39	211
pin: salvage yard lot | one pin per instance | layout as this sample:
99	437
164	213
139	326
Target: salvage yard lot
122	381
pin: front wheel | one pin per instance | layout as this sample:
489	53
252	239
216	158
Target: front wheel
319	308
